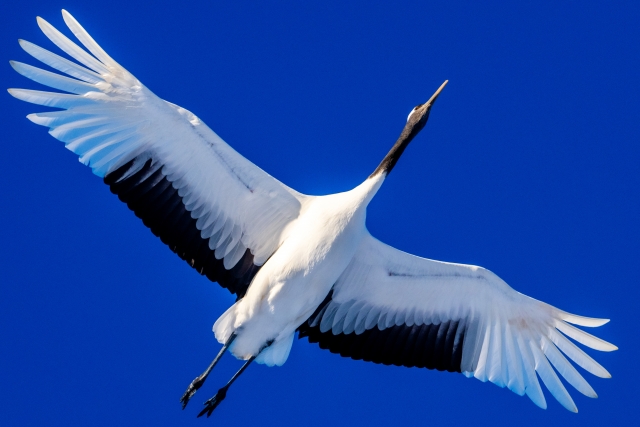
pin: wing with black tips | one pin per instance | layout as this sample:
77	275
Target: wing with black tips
211	206
394	308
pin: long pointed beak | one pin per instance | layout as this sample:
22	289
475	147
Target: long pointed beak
435	95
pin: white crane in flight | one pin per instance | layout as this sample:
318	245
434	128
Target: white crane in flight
297	262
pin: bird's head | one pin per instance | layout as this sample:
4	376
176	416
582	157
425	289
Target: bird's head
416	120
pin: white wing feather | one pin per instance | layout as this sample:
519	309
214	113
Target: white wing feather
509	336
110	118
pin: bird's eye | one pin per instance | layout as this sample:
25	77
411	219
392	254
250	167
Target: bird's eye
413	111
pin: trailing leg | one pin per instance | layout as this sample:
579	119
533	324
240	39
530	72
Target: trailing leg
198	381
213	403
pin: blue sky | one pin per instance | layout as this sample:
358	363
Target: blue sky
528	166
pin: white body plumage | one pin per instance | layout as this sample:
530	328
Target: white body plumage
316	250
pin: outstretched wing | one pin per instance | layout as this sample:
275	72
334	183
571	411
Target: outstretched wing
211	206
394	308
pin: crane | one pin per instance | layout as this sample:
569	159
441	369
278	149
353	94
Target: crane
297	263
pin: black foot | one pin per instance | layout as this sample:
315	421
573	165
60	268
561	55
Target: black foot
191	390
213	403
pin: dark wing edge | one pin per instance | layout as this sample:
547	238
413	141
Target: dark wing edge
153	199
431	346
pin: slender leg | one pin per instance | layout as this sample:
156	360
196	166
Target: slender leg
213	403
197	383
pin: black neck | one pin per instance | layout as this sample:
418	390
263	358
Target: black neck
411	129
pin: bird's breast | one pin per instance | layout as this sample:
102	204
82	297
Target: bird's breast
302	271
295	280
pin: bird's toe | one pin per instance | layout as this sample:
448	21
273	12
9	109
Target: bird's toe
191	390
213	403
